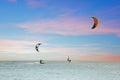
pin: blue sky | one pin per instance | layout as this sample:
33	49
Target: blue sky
63	27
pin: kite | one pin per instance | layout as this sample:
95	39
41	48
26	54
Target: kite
95	22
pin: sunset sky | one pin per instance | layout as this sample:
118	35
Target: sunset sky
63	27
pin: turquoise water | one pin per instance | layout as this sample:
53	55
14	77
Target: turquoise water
52	70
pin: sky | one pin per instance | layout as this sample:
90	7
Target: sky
63	27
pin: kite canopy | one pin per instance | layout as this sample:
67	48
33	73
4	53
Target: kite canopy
68	59
95	22
37	46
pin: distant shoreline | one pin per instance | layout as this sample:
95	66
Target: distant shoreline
60	61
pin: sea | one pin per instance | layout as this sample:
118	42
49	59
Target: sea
59	70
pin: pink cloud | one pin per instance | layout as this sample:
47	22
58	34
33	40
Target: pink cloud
61	25
101	56
16	46
70	25
32	3
35	3
108	27
27	47
14	43
12	0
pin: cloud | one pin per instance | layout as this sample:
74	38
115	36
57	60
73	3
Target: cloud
70	25
101	56
15	46
35	3
108	27
32	3
61	25
23	49
20	50
11	0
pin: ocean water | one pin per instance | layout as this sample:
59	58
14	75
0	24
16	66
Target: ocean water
53	70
